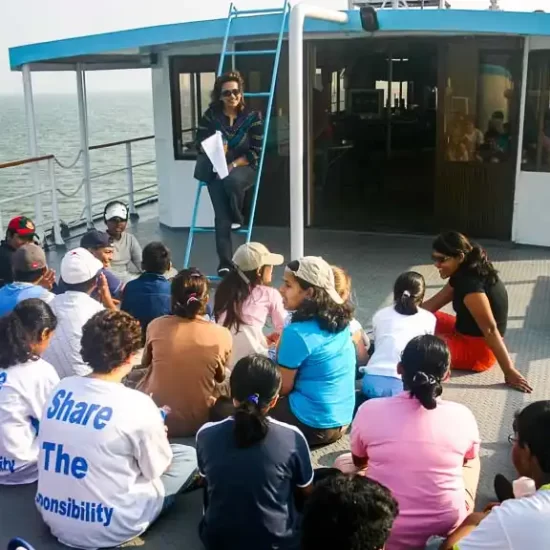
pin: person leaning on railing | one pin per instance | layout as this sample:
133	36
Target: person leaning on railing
242	132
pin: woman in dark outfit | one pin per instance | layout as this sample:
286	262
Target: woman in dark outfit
242	131
480	300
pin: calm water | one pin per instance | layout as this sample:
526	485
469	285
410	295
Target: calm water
112	117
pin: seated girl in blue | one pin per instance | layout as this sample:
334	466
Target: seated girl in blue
316	354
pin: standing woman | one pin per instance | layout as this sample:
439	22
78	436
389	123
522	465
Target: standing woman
480	300
242	131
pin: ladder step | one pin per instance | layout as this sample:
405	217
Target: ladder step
257	94
241	230
204	229
252	52
273	11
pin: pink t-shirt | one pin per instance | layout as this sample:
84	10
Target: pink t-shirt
418	454
263	302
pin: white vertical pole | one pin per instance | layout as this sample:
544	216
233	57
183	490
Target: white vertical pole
32	144
84	141
130	180
58	239
296	115
519	158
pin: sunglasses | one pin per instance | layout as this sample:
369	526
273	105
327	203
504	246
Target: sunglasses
235	92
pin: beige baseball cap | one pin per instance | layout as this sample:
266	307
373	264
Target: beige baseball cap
317	272
252	256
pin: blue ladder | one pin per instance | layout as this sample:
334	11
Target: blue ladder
234	14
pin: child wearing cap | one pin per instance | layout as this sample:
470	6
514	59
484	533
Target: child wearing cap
126	260
316	354
244	300
21	230
32	278
81	274
26	382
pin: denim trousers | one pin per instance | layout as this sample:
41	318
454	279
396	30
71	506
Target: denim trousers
227	198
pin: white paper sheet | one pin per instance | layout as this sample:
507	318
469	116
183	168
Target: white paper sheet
213	147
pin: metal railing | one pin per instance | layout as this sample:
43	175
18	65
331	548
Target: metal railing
54	192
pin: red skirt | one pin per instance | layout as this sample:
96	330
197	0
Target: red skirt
467	352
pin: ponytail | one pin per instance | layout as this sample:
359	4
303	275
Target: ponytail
22	328
477	261
408	292
424	364
250	424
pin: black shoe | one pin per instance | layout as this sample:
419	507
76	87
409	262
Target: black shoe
504	489
223	271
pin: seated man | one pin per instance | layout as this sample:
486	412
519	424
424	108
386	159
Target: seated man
516	524
348	512
148	296
106	470
81	274
32	278
21	230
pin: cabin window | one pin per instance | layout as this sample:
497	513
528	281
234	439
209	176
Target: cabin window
479	113
536	129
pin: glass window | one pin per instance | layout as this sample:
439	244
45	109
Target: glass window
479	105
536	129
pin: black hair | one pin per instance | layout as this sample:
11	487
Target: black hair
455	244
331	316
22	328
109	338
254	382
29	276
156	258
348	512
425	362
86	286
408	292
223	408
215	96
189	291
232	292
532	426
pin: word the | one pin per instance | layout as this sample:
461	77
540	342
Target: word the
65	409
64	464
89	512
3	378
7	465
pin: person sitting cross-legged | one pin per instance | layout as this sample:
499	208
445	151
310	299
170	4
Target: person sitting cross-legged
523	523
106	470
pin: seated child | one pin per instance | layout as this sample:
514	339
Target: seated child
106	469
252	466
26	381
244	300
393	328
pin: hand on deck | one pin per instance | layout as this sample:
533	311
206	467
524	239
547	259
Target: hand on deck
517	381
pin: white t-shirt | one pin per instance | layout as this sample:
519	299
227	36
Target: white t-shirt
103	449
24	389
73	310
517	524
392	332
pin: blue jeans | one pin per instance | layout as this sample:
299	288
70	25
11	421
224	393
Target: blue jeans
180	474
380	386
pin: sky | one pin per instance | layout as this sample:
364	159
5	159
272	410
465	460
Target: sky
29	21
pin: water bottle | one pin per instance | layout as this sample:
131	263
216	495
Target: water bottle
524	487
165	411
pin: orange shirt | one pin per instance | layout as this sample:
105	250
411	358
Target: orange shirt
185	358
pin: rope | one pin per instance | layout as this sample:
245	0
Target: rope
68	166
73	193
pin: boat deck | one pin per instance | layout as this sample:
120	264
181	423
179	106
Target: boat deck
374	261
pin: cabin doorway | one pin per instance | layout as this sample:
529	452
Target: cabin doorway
373	125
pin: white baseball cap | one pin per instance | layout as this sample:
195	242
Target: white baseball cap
317	272
78	266
252	256
116	210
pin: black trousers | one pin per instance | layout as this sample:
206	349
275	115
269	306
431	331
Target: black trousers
227	197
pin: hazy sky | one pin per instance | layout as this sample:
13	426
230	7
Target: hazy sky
28	21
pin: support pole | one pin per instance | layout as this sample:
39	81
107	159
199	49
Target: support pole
130	182
296	115
32	145
84	141
57	237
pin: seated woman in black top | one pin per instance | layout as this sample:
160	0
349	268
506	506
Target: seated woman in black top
242	131
480	300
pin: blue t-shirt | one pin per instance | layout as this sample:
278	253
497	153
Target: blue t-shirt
13	293
251	490
324	389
